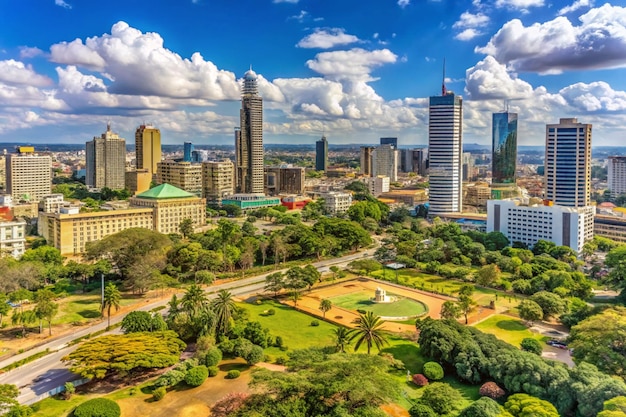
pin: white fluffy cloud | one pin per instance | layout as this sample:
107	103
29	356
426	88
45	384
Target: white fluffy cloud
29	52
594	97
61	3
555	46
467	34
490	80
578	4
17	73
355	64
522	5
469	24
327	38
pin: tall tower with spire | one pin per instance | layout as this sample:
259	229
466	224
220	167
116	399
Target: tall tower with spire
445	151
249	138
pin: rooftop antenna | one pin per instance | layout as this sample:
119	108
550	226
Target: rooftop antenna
443	81
109	125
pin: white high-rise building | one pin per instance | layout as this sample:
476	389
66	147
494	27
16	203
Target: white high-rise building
568	163
616	170
29	176
565	226
445	150
249	138
385	162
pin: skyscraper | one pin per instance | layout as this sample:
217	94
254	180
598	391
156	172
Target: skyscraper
321	154
106	161
29	176
148	148
616	170
504	141
445	150
366	160
389	141
249	138
568	163
187	151
385	162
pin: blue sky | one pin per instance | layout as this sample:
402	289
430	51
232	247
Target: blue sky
353	70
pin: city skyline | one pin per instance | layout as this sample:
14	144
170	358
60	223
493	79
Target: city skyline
322	70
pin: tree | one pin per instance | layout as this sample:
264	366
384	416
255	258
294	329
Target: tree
441	397
530	311
23	318
193	301
4	307
196	376
551	304
335	270
342	337
421	410
8	395
70	389
186	227
46	309
295	297
274	283
101	356
223	306
325	305
484	407
98	407
524	405
111	299
365	266
137	321
368	330
531	345
488	275
466	303
310	275
450	310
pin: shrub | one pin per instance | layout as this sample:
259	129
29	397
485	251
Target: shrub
422	410
279	341
254	355
315	323
213	356
284	348
159	393
491	390
196	376
420	380
233	374
361	311
483	407
532	345
281	360
98	407
433	371
213	370
442	398
170	378
271	312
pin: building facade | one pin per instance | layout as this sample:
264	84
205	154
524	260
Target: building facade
28	175
138	180
12	238
336	202
284	180
568	163
184	175
611	227
249	138
251	201
148	148
321	154
105	161
366	160
389	141
445	153
385	162
413	160
187	151
565	226
616	175
504	148
218	180
378	184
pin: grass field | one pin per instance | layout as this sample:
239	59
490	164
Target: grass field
82	308
361	300
508	329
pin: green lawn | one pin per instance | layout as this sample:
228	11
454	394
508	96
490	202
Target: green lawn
361	300
82	308
510	330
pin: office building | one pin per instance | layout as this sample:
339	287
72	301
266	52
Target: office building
504	151
366	160
138	180
616	170
218	180
413	160
187	151
3	172
184	175
51	203
28	175
321	154
377	185
336	202
445	153
568	163
389	141
105	161
251	201
611	227
249	138
12	238
385	162
284	180
148	148
469	171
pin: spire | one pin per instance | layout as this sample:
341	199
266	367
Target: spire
443	81
108	125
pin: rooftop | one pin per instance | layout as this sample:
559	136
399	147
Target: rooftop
165	191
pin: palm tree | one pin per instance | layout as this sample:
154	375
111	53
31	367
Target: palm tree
223	306
111	299
193	300
325	305
368	330
342	338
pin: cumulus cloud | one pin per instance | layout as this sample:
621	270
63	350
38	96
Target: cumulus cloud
488	80
467	34
138	64
575	6
522	5
327	38
63	4
29	52
555	46
468	25
594	97
16	73
356	63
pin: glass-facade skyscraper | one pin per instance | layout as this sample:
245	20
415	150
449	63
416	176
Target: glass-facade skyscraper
187	151
389	141
321	154
504	142
445	150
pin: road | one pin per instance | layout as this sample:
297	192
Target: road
37	378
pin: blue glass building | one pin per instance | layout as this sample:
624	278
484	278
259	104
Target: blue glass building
187	150
504	142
